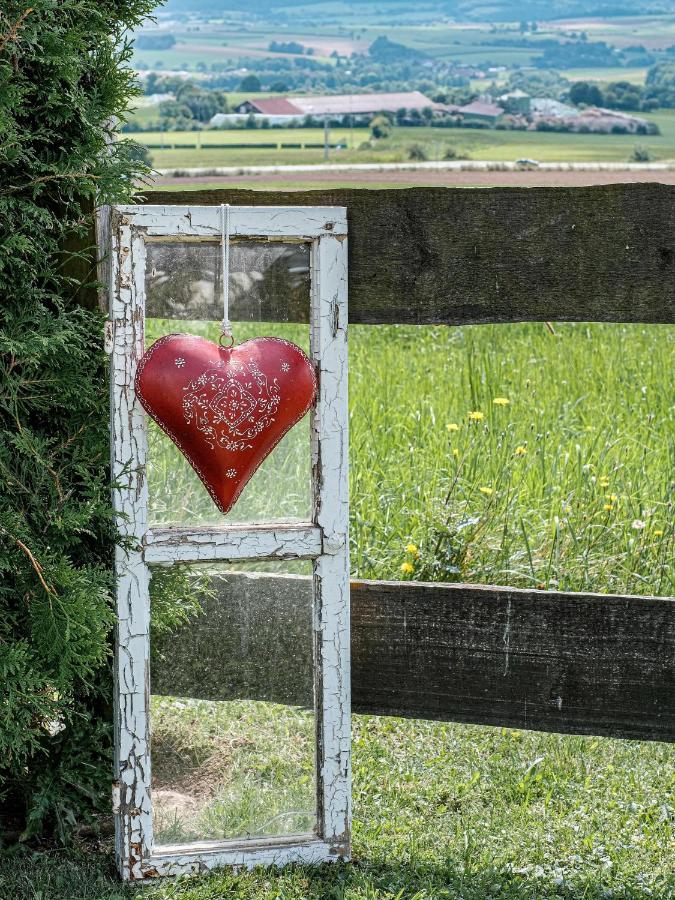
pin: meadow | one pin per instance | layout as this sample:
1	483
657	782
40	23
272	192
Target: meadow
535	459
538	459
192	149
216	43
634	75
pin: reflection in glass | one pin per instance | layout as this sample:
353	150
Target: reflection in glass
232	720
269	281
270	291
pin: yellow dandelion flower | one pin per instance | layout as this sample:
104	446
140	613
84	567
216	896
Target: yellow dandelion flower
486	490
612	498
452	426
607	507
411	548
521	451
658	532
476	416
407	568
604	481
455	452
501	401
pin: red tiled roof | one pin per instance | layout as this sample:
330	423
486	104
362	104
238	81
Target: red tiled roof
341	104
275	106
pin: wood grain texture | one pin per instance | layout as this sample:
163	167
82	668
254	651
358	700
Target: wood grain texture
581	663
456	256
569	663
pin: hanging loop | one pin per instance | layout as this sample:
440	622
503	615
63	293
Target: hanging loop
226	336
225	326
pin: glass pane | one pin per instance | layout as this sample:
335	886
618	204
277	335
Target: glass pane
232	705
269	296
269	281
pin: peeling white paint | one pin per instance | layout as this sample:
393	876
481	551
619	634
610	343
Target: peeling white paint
162	546
281	222
330	465
324	540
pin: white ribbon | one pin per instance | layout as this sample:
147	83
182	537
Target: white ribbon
225	326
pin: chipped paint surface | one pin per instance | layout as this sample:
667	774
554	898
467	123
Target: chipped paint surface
305	223
133	822
330	465
162	545
324	540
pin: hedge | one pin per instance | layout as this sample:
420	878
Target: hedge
63	78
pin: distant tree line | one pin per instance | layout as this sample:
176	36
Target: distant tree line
155	41
386	51
193	106
660	83
591	54
658	91
290	47
196	103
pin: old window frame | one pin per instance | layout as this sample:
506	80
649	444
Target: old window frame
324	539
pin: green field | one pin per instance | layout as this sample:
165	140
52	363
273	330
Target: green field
653	32
352	28
552	481
567	485
607	74
466	142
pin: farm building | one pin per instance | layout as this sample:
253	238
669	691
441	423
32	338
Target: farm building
547	106
481	111
286	109
515	102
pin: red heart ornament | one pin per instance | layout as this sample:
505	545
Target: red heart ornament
225	409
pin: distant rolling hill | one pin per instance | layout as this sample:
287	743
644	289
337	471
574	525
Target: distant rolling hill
467	10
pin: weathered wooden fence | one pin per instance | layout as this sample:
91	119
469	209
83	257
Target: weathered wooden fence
581	663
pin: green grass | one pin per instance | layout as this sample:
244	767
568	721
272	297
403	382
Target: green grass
590	411
491	145
448	811
443	810
588	406
231	769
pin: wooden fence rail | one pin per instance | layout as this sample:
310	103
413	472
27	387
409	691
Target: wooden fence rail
580	663
456	256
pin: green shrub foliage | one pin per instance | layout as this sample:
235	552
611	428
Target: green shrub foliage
63	80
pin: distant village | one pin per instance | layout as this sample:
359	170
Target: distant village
514	110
